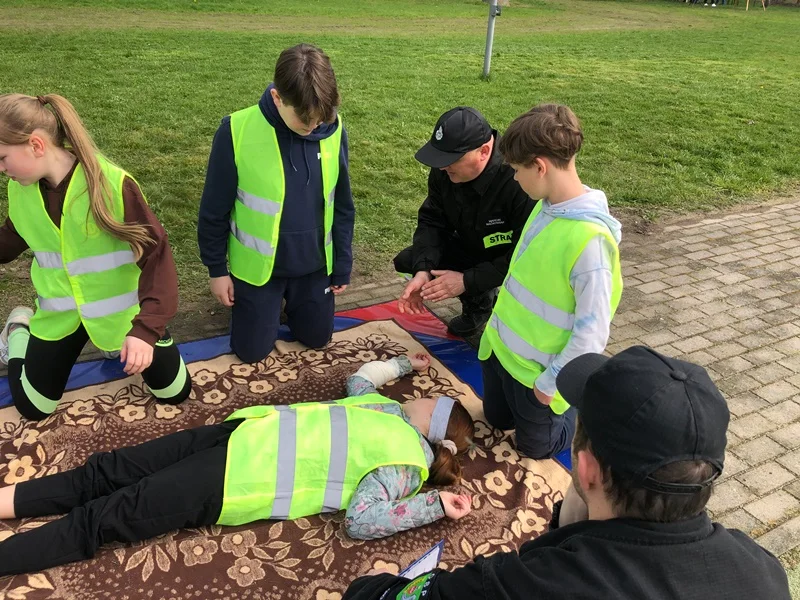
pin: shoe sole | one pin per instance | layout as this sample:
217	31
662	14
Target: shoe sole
16	320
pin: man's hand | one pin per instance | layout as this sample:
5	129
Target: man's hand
448	284
541	396
136	354
456	505
222	288
411	300
419	361
338	289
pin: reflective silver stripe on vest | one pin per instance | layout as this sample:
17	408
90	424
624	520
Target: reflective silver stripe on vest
331	195
328	238
57	304
287	458
100	263
49	260
519	346
334	486
539	223
258	204
553	315
251	241
109	306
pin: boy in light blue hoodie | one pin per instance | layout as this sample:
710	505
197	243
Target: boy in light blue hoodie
562	288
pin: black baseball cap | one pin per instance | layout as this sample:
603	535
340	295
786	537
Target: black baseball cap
456	132
642	410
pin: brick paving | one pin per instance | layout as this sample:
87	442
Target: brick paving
723	292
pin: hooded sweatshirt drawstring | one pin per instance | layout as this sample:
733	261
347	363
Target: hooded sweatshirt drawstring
291	161
305	158
308	167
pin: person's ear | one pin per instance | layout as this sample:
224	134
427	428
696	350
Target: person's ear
541	166
590	475
486	150
37	144
276	97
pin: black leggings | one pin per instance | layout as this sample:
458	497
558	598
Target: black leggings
47	366
126	495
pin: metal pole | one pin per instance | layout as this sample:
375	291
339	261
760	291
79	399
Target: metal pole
487	57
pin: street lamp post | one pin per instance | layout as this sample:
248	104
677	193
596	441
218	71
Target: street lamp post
494	11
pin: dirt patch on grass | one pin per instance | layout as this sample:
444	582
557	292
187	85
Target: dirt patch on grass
580	17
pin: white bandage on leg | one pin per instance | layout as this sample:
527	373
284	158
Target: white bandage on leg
379	372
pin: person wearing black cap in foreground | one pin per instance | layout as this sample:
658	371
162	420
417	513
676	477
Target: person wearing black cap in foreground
650	442
469	223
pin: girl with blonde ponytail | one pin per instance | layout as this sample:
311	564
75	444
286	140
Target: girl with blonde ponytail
102	267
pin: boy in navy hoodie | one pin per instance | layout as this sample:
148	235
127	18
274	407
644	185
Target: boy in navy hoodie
277	209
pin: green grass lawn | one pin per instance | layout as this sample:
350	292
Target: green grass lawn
684	107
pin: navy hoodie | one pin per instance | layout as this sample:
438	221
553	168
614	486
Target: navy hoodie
302	228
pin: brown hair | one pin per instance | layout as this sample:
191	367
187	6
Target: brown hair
21	115
305	81
634	502
547	130
446	468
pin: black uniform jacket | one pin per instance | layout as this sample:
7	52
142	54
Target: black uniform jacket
479	221
620	559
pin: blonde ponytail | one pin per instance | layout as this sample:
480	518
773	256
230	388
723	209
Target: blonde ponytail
20	115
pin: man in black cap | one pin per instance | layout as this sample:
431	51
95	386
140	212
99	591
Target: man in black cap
469	223
650	442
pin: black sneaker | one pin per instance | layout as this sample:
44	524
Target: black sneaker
475	312
468	324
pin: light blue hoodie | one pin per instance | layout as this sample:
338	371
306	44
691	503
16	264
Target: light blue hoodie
590	279
591	206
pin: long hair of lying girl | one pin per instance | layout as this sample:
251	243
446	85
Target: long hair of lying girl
21	115
446	468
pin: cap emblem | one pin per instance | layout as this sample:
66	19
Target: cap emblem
439	134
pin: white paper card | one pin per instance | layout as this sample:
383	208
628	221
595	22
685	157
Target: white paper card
426	562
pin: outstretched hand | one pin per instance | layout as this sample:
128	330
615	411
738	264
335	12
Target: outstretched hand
419	361
456	505
411	299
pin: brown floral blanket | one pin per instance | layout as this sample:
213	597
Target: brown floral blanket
304	559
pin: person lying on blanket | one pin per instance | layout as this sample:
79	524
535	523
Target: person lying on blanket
366	453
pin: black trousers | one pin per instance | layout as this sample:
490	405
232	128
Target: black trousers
256	313
126	495
49	363
508	404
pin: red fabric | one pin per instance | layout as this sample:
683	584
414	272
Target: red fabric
426	323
